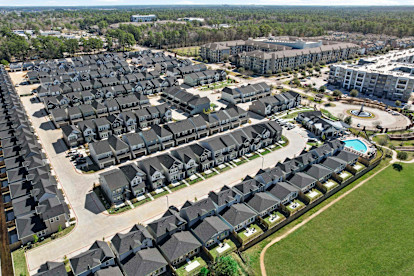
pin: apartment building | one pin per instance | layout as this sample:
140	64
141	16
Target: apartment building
390	76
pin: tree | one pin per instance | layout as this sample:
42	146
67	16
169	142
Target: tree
348	120
226	266
204	272
337	93
296	81
402	155
71	45
241	70
383	140
4	62
397	103
322	89
35	238
354	93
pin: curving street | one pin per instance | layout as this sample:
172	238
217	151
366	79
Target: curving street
92	223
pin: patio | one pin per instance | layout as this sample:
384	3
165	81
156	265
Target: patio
330	184
313	194
250	233
274	219
191	267
295	206
225	247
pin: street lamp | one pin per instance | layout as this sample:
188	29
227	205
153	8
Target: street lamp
262	160
167	202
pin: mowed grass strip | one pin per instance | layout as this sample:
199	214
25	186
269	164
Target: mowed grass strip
369	232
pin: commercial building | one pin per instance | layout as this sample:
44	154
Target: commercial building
143	18
390	76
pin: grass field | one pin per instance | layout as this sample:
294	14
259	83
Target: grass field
369	232
187	51
252	254
395	143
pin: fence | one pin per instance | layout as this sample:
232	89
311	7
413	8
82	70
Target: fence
291	218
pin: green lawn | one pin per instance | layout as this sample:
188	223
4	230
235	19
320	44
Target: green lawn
187	51
216	254
242	233
275	222
369	232
182	272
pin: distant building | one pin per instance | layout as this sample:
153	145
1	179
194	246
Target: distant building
143	18
190	19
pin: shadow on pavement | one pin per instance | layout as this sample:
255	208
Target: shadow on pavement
59	146
47	126
93	204
40	113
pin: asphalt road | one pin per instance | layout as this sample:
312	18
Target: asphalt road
92	222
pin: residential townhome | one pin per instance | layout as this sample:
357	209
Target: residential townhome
263	204
213	123
200	126
97	257
349	157
243	141
120	149
101	152
87	97
112	106
284	192
155	172
87	111
217	148
136	239
247	188
130	120
180	247
152	143
59	117
224	198
203	157
72	136
231	147
173	168
184	131
319	172
100	109
239	216
165	112
52	268
145	262
289	167
170	223
224	120
103	128
195	211
302	181
88	130
335	164
115	186
143	116
165	137
117	124
246	93
211	231
136	178
243	115
74	115
189	159
136	144
155	115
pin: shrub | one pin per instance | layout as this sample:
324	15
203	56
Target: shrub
35	238
354	93
337	93
402	155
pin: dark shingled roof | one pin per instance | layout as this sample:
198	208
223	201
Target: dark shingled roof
179	244
97	254
143	262
238	213
209	227
124	242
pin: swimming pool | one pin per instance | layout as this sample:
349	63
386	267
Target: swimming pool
357	145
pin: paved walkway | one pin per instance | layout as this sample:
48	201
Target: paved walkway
92	223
